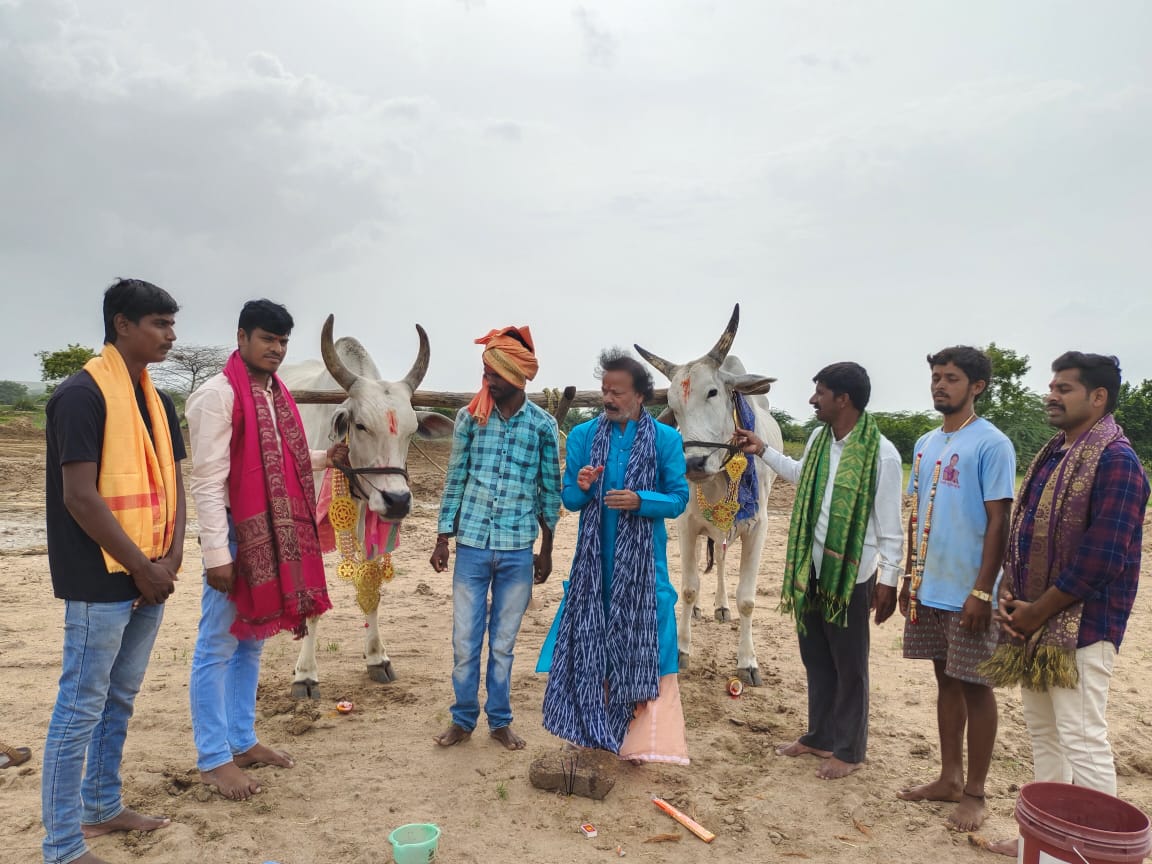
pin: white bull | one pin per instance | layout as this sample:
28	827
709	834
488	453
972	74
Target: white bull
379	420
701	402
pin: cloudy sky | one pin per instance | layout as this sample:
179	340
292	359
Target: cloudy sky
870	180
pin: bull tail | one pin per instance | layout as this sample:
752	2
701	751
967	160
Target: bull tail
711	560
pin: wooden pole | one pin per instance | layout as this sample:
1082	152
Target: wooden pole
565	404
441	399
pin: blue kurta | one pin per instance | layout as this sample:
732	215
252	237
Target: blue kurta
667	501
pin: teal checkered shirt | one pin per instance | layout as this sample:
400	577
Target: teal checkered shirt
503	479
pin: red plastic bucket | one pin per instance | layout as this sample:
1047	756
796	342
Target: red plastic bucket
1060	822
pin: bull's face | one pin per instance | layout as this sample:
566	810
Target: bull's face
700	398
378	421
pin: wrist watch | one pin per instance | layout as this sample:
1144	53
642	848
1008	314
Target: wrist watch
981	595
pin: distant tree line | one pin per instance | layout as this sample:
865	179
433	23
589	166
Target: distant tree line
1007	403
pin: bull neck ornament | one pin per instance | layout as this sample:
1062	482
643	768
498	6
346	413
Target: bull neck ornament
366	575
722	513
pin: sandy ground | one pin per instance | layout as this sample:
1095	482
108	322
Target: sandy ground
361	775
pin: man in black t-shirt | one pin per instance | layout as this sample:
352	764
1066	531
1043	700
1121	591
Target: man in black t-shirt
115	512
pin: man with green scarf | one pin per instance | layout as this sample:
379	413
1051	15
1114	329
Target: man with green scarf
844	552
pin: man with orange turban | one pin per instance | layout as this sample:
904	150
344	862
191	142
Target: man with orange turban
503	487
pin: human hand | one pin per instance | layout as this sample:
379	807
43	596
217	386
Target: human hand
1023	620
621	499
439	559
155	582
338	454
588	477
542	566
749	442
976	615
884	602
221	578
905	600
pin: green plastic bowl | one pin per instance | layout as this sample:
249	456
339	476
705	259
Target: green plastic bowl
415	843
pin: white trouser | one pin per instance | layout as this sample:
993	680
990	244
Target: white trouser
1067	725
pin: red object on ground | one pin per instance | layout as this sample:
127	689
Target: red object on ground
1072	823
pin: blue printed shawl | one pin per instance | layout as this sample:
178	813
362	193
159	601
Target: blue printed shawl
747	493
619	649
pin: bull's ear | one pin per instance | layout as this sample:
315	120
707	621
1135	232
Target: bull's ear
432	425
751	385
340	421
667	417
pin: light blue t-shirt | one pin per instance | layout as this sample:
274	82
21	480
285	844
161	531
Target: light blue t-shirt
978	464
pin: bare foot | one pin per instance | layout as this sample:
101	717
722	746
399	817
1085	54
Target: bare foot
938	790
125	820
968	814
231	781
261	755
453	735
508	738
833	768
1010	848
798	749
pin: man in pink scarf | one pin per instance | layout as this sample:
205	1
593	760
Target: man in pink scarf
256	504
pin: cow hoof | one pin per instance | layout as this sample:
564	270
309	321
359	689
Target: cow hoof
683	661
696	613
382	674
723	615
305	690
751	677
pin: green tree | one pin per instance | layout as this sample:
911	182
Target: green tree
789	428
1010	406
12	392
57	365
904	428
1134	413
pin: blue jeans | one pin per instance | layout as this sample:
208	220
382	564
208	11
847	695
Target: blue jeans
106	650
509	576
225	672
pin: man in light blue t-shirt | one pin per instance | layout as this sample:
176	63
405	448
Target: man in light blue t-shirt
963	479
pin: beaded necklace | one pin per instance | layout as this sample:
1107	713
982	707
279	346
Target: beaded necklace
366	575
920	551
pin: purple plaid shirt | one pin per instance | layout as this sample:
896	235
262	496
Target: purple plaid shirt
1107	565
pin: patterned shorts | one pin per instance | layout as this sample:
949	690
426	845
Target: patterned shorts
937	635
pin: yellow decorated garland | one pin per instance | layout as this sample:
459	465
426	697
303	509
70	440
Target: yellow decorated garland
367	576
722	513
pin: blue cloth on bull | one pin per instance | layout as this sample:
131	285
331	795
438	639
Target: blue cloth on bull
748	491
595	601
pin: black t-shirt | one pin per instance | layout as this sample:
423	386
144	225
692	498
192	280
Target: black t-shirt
75	433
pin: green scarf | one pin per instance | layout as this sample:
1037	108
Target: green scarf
853	493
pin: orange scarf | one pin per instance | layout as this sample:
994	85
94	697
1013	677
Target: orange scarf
510	359
137	470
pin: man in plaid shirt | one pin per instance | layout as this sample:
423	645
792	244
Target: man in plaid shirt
503	486
1070	576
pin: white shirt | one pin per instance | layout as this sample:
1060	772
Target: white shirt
209	413
884	539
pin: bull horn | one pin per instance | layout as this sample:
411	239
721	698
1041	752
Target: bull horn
420	367
662	365
724	344
343	375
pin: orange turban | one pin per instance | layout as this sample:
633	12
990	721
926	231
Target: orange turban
508	357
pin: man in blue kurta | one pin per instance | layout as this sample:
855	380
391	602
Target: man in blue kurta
612	654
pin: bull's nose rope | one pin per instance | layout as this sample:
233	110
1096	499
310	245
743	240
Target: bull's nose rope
367	576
